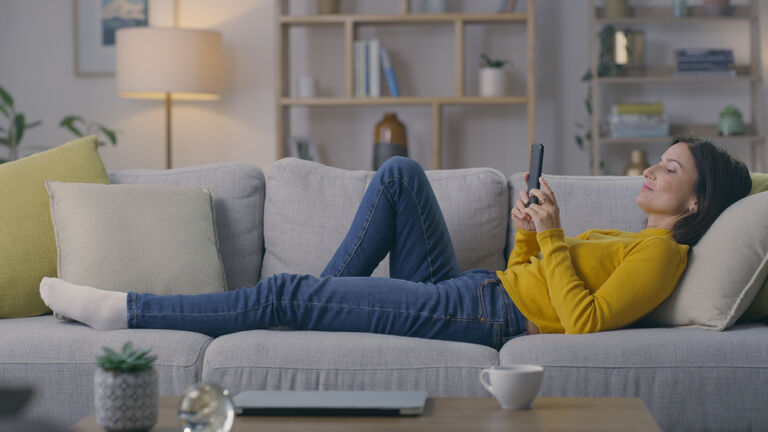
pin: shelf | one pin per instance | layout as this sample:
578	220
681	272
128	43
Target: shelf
405	100
664	15
403	18
702	130
661	74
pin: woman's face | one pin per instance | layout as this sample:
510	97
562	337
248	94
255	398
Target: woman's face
668	188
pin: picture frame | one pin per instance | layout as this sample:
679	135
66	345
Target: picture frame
304	148
94	32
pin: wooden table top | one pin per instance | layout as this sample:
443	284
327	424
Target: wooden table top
445	415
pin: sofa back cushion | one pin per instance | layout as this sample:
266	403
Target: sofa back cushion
589	202
238	198
309	208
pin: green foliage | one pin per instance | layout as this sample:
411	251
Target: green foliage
81	127
12	133
492	63
730	110
127	360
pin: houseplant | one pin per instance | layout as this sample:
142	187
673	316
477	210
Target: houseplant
125	389
12	133
81	127
493	76
730	122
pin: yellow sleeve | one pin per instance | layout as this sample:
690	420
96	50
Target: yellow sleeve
645	278
526	246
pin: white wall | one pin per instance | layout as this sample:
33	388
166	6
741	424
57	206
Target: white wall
36	66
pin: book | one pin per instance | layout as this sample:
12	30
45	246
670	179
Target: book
638	108
359	68
374	72
389	73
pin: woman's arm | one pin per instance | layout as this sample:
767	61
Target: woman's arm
645	278
526	246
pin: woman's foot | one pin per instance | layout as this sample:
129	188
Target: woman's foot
100	309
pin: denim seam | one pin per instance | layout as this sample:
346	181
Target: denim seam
362	233
423	227
147	314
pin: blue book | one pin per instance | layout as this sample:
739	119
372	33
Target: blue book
389	73
366	62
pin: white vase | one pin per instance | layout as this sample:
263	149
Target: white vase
125	401
493	82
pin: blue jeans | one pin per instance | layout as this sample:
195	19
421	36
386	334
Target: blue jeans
427	296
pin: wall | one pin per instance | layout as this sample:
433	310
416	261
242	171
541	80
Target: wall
37	66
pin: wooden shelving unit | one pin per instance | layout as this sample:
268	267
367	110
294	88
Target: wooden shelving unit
350	23
664	75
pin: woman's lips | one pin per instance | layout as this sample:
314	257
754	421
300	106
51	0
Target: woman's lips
645	186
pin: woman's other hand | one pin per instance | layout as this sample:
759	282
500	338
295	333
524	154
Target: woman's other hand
545	215
522	220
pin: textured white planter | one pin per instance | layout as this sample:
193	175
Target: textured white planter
126	401
493	82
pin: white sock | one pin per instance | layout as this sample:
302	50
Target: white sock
100	309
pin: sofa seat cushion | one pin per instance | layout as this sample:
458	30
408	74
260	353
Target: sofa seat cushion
238	199
690	379
310	207
58	359
309	360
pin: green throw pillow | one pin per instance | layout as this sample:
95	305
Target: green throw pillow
27	242
758	309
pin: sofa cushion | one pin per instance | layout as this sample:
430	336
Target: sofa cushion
58	359
726	269
310	360
758	309
310	207
588	202
144	238
238	197
690	379
27	243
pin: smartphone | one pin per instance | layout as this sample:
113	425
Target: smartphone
534	171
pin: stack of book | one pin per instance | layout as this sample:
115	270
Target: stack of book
638	120
370	60
705	62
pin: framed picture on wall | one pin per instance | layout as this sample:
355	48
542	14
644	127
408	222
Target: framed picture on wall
96	22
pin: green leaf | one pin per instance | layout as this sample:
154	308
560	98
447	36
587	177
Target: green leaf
111	135
34	124
21	123
4	141
587	75
579	142
69	123
7	99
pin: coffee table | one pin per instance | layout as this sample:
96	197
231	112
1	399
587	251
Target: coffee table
447	414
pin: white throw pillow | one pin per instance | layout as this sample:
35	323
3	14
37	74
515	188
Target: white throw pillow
725	270
139	238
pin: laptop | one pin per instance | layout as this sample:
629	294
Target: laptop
330	403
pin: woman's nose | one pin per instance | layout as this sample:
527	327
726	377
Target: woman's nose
648	172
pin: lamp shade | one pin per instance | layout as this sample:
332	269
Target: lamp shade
152	62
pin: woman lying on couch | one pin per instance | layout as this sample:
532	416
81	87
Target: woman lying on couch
599	280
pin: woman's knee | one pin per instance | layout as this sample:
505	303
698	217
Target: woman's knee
403	166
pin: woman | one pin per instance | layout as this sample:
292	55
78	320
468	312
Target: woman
600	280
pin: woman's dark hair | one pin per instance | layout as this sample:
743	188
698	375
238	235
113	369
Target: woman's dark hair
722	180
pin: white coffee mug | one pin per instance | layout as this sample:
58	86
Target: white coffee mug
514	386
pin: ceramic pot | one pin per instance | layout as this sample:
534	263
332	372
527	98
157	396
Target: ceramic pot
126	401
730	124
389	140
493	82
638	162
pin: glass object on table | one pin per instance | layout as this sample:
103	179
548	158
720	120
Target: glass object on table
206	407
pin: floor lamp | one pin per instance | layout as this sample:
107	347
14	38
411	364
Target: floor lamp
168	64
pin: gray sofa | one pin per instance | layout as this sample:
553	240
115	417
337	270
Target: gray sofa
292	222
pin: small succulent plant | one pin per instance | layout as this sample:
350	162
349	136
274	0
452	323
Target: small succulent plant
127	360
730	110
492	63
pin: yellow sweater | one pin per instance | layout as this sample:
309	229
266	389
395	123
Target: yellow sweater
599	280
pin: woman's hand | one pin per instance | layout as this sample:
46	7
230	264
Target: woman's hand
522	220
545	215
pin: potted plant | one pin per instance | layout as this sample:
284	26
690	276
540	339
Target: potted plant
493	77
81	127
125	387
11	135
730	122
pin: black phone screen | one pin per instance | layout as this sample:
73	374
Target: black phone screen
534	171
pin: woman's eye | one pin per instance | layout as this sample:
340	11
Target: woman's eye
670	171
